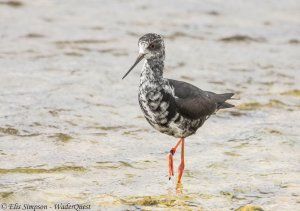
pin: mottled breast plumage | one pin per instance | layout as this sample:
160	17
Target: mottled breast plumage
157	101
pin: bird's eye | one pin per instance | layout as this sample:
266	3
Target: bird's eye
151	46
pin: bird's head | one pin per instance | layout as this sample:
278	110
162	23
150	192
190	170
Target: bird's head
151	47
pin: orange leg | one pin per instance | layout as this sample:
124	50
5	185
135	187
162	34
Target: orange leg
170	158
181	165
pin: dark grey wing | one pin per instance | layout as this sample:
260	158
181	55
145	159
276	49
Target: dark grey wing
183	89
195	103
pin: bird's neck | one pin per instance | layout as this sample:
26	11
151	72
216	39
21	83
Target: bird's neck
152	70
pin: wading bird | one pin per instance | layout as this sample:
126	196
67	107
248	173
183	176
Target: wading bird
172	107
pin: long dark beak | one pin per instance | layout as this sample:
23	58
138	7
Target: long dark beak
138	59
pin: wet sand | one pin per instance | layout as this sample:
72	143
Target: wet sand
72	131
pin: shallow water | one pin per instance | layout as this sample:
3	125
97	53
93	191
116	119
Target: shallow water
71	130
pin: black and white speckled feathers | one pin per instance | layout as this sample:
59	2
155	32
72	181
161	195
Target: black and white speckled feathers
173	107
157	101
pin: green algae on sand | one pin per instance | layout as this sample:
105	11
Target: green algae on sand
12	3
62	137
174	202
30	170
234	154
5	194
249	207
293	92
256	105
241	38
273	131
9	131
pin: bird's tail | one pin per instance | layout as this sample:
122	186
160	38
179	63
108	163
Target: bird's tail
222	100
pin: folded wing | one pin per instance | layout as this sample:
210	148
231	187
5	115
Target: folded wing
195	103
